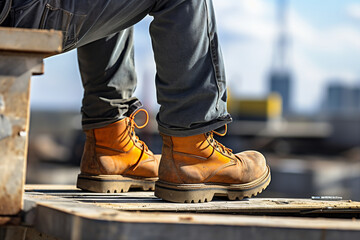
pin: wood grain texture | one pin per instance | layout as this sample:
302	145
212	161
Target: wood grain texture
21	55
13	143
62	213
30	40
146	201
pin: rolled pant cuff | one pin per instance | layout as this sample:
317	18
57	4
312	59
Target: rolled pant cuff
204	128
101	124
93	123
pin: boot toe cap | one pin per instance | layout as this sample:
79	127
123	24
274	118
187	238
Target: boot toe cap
255	161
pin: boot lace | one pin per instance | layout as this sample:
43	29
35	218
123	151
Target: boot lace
134	125
218	145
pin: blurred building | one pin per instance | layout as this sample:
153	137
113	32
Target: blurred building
342	108
356	99
281	83
342	99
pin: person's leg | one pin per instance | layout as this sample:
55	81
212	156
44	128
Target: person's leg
102	32
113	160
190	75
109	79
190	79
191	90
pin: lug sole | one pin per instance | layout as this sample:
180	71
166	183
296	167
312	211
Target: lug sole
198	193
113	183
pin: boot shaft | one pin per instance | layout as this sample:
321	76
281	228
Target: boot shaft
117	135
191	159
116	150
198	144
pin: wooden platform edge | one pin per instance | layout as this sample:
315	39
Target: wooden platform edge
146	201
37	41
66	219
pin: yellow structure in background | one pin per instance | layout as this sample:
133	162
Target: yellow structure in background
268	108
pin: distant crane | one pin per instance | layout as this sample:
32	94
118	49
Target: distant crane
280	78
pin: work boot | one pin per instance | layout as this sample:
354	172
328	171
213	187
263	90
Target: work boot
114	159
195	168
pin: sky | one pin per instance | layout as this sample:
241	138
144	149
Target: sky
324	47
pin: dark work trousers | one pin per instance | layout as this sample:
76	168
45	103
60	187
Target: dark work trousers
190	79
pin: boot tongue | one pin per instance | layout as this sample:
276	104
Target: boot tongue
135	139
218	146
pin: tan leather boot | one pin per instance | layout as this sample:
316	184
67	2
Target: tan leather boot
195	168
114	159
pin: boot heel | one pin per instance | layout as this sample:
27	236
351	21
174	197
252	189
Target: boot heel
112	183
171	194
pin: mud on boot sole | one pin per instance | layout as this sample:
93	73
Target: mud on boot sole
197	193
113	183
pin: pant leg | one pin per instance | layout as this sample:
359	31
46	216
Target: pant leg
109	79
190	75
105	50
190	79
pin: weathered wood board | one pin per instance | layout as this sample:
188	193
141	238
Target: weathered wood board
146	201
45	42
66	213
21	55
22	233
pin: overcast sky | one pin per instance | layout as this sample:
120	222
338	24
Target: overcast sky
324	45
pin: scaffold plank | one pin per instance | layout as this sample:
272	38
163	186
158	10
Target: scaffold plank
58	213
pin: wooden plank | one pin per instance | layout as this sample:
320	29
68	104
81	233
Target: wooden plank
146	201
68	219
30	40
12	233
22	233
50	187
